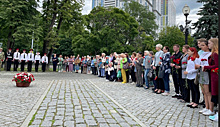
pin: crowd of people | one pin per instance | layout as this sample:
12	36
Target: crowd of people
190	70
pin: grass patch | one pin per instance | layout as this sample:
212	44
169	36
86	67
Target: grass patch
32	119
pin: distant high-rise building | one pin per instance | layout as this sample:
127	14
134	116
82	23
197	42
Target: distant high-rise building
164	10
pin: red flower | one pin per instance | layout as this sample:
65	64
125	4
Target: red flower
203	59
148	61
216	70
192	58
161	58
155	78
184	63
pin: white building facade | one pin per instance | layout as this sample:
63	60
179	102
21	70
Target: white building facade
164	10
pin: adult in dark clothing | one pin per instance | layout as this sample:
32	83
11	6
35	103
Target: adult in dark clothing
55	60
9	58
176	71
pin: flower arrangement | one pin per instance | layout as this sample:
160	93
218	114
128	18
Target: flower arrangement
172	57
192	58
177	61
203	59
23	77
215	70
161	58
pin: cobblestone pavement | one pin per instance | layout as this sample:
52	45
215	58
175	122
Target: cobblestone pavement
16	103
154	109
79	103
75	100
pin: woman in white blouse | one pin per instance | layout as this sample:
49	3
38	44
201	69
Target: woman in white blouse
191	72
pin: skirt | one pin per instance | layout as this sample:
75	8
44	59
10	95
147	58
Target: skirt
204	78
77	67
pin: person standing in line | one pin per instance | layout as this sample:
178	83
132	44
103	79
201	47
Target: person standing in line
77	62
133	59
139	67
23	59
204	78
165	66
60	63
30	60
93	65
16	59
89	65
74	66
147	66
71	64
2	57
37	61
44	62
9	58
55	61
156	66
191	72
186	91
84	63
176	71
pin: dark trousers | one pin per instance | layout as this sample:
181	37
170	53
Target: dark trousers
22	65
133	78
93	70
159	81
29	66
43	67
194	91
74	67
166	82
9	65
139	77
36	65
106	75
176	82
81	69
127	75
186	91
96	70
54	66
67	68
15	65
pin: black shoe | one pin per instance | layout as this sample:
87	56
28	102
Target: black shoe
179	97
146	87
137	85
189	105
202	103
194	106
175	96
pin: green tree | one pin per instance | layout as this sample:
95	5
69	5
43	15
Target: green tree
107	30
170	36
207	24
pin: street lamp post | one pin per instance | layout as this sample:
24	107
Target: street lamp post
186	11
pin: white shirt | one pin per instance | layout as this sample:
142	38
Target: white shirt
30	57
37	57
191	68
204	55
17	56
44	59
23	56
110	69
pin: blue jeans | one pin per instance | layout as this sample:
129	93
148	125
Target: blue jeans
102	72
146	71
166	82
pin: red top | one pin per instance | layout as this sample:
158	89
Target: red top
213	64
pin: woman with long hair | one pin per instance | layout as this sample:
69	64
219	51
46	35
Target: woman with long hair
213	66
204	78
191	72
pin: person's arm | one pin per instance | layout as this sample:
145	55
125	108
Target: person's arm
215	56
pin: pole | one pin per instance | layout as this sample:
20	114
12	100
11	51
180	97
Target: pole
32	42
186	31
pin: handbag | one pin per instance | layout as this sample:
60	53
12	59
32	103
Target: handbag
150	73
119	74
161	73
126	65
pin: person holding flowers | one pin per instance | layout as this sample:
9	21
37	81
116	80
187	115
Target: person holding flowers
213	66
185	88
191	72
204	78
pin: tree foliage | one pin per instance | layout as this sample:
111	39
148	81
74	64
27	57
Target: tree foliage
207	24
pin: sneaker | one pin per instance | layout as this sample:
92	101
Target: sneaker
208	113
123	82
204	110
106	80
214	118
165	94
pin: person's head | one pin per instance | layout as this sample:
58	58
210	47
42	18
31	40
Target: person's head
122	55
192	52
213	45
133	55
166	49
126	54
103	54
54	54
31	50
0	49
68	57
140	54
151	53
64	57
45	54
38	53
146	53
185	48
71	56
17	50
176	48
84	57
159	47
78	55
153	57
199	41
110	64
60	56
24	50
9	49
204	45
